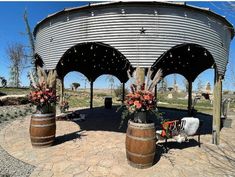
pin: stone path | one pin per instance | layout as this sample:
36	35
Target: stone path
90	149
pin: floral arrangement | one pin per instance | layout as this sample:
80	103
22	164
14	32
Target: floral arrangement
141	98
43	94
44	98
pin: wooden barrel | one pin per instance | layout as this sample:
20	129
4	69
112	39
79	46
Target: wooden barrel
42	129
108	102
140	144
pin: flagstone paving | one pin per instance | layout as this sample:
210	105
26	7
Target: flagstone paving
100	151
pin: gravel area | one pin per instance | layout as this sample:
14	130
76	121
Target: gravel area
10	166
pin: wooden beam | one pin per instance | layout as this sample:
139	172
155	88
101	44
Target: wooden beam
123	92
91	94
190	83
217	109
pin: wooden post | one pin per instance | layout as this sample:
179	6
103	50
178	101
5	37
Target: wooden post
61	90
217	109
190	98
123	92
91	94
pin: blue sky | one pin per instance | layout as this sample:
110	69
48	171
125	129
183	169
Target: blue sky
12	29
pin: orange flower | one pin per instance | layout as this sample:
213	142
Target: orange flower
147	97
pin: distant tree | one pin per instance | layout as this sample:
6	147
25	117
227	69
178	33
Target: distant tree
186	85
75	86
199	85
118	91
163	85
3	81
110	79
31	46
16	54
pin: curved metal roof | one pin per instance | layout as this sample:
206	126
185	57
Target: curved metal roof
179	4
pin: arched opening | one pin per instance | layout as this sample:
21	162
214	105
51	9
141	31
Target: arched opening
94	59
188	60
76	91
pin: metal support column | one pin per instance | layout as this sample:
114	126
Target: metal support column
91	94
155	93
123	92
190	97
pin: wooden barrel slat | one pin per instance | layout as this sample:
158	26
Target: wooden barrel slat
140	144
42	129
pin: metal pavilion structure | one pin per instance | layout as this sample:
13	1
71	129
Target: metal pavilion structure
114	37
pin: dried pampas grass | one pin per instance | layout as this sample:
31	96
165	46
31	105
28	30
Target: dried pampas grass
149	83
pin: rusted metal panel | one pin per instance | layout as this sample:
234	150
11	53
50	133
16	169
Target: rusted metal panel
141	32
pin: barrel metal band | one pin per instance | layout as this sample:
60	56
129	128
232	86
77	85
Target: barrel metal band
44	137
140	138
140	155
44	143
140	165
141	127
42	119
47	125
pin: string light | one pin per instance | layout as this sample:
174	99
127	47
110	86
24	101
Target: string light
170	55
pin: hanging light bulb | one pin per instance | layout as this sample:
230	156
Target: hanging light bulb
205	53
170	54
75	51
188	48
91	47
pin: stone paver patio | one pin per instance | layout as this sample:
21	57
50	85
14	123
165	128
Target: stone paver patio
96	147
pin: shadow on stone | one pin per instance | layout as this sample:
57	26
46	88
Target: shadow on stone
68	137
101	119
159	151
176	145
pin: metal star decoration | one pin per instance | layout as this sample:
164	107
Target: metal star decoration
142	30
